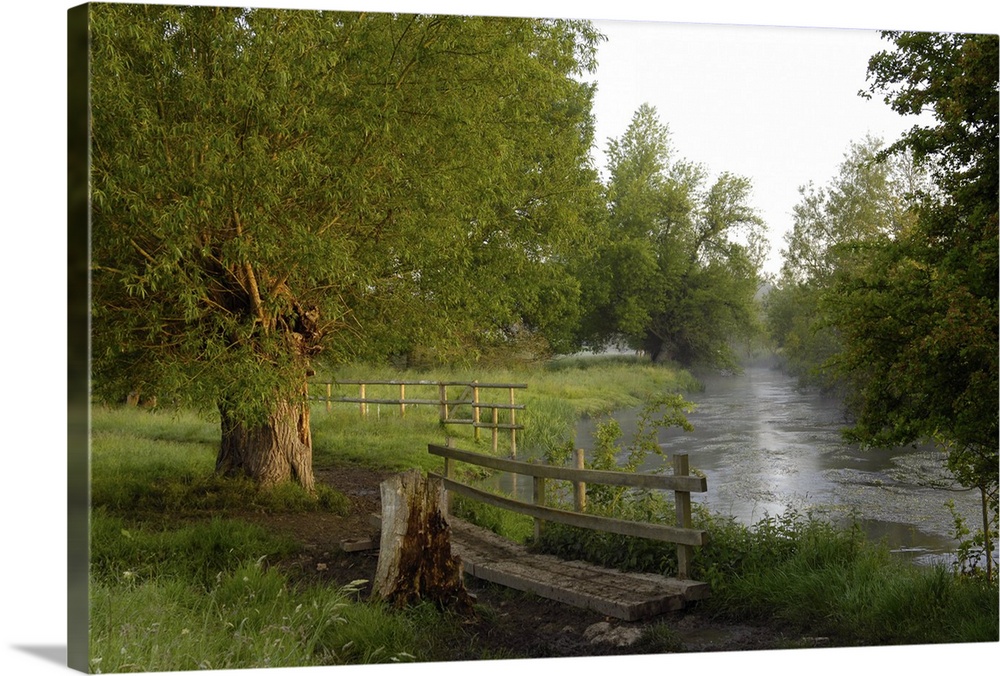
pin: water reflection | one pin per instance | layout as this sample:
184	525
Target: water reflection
767	446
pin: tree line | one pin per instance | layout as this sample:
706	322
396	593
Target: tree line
888	292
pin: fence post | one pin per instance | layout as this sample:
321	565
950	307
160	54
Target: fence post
443	398
495	424
513	432
579	487
538	497
363	405
402	400
449	473
475	409
682	500
329	392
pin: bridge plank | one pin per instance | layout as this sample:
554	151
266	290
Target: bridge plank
627	596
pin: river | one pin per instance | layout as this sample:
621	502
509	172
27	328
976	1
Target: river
767	446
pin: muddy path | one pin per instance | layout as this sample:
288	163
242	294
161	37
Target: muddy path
509	624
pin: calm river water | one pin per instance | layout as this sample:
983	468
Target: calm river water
767	446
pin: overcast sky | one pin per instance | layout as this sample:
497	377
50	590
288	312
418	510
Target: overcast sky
778	105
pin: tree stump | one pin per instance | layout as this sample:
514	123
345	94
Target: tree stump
415	562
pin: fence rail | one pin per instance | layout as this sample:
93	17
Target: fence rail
681	483
470	397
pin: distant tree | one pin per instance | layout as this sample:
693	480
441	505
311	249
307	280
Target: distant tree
870	199
271	187
679	264
919	320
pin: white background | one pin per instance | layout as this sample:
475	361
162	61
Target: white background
34	329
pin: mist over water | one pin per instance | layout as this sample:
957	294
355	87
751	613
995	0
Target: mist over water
767	446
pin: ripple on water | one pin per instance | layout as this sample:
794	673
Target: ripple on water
767	446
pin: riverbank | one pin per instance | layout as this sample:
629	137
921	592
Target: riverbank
181	559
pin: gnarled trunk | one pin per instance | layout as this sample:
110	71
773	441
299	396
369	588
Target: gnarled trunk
278	450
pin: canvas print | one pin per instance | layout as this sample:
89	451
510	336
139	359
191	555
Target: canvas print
412	338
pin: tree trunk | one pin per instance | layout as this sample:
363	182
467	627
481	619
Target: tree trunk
271	453
652	344
415	562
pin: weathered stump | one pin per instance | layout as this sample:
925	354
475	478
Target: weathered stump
415	562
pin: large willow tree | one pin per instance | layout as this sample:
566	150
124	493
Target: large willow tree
270	185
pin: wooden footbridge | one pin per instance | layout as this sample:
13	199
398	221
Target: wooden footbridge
627	596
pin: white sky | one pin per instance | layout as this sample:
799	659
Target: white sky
739	133
778	105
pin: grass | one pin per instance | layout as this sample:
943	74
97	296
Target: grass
162	464
798	571
557	396
807	575
179	582
204	597
503	522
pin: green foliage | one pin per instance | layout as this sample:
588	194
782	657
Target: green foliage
662	411
269	185
919	316
891	274
869	200
799	331
794	570
503	522
974	545
806	573
608	549
676	267
202	597
123	551
559	393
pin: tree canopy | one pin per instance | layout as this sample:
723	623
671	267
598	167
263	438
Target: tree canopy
920	320
273	185
871	199
679	262
348	182
908	303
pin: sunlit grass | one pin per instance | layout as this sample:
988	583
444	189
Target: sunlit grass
141	465
178	582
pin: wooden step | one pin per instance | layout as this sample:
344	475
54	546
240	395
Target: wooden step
626	596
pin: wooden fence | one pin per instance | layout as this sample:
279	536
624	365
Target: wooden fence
681	483
470	396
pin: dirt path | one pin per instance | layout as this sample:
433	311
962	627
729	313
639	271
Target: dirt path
510	624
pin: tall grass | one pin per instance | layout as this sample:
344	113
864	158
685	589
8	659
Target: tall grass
204	597
808	573
803	573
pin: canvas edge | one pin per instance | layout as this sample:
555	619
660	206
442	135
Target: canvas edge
78	338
